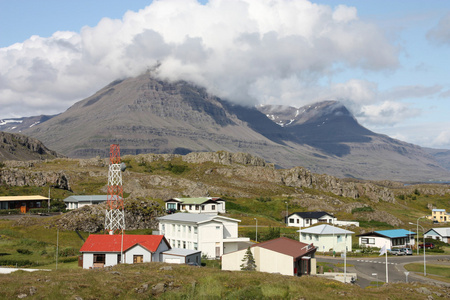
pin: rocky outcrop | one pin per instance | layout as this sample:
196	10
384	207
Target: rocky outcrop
139	214
21	147
25	177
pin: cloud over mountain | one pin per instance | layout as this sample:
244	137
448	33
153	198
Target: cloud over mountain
246	51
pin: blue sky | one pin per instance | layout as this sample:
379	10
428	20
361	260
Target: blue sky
385	60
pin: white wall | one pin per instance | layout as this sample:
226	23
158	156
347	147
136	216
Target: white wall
88	260
110	259
232	261
137	250
273	262
327	242
161	248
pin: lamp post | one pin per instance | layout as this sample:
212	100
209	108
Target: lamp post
256	237
424	259
417	233
287	213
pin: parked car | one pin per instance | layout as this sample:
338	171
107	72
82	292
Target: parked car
427	246
407	251
397	252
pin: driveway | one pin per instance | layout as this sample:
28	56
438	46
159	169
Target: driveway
374	268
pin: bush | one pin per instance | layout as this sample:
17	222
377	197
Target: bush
362	209
24	251
176	169
18	263
9	211
401	197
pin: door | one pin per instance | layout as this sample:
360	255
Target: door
137	259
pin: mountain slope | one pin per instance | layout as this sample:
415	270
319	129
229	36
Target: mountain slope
21	147
146	115
330	127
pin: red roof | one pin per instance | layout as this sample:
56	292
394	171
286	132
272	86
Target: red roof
113	243
287	246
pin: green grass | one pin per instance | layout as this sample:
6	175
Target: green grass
185	282
441	271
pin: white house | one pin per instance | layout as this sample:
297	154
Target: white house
197	205
181	256
212	234
76	201
395	238
440	234
306	219
105	250
327	238
281	255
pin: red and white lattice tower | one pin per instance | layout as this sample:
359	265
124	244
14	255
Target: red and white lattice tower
115	216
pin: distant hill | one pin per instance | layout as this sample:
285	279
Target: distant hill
16	125
147	115
21	147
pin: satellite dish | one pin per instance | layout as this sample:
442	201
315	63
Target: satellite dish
123	167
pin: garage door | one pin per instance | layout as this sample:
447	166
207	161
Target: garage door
172	260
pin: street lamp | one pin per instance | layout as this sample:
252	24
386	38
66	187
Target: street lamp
424	246
256	238
417	232
287	213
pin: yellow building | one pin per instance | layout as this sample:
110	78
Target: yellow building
439	215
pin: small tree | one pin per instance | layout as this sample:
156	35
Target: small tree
248	262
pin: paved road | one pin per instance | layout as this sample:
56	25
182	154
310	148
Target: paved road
365	267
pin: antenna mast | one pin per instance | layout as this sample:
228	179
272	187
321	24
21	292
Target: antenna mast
115	216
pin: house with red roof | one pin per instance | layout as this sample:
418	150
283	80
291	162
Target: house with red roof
282	255
104	250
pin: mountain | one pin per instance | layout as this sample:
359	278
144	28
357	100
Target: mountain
147	115
21	147
19	124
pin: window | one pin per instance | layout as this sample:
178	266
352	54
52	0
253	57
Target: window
137	259
184	228
119	260
178	228
189	229
217	227
196	207
298	221
99	258
184	244
291	220
178	244
316	237
310	236
190	207
339	238
195	246
369	241
171	206
195	229
203	207
213	207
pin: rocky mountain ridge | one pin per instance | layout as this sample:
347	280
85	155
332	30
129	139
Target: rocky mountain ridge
148	115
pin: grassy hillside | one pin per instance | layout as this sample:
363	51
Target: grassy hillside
162	281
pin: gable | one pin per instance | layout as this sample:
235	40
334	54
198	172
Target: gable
114	243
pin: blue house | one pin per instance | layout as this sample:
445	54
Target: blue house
394	238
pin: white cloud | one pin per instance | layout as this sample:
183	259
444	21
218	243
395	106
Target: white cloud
237	49
440	34
386	113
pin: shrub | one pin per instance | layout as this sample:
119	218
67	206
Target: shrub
401	197
362	209
9	211
24	251
176	169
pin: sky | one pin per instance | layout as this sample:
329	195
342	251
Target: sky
386	61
